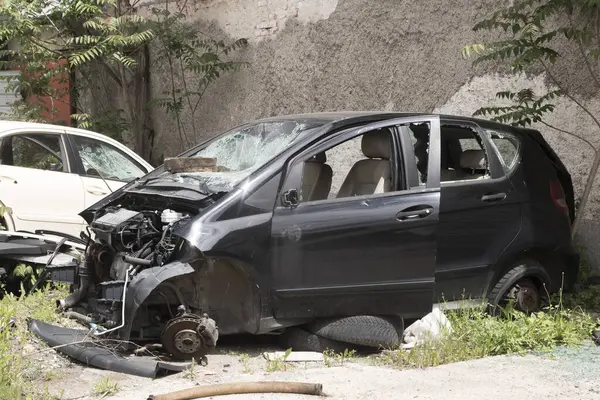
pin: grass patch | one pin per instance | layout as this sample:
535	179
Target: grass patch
331	358
244	359
279	363
476	334
105	387
15	379
190	372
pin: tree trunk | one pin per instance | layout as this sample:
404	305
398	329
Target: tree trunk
136	96
589	185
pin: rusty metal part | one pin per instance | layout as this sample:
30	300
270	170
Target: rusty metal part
80	317
314	389
525	296
189	336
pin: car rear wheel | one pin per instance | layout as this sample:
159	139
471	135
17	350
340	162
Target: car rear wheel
518	288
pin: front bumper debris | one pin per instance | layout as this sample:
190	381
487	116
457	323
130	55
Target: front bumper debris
76	343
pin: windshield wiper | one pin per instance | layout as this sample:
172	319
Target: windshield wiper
203	185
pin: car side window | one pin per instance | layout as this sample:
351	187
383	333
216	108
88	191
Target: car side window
463	155
363	165
33	150
102	160
419	138
506	146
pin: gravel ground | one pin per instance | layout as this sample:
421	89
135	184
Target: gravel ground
572	373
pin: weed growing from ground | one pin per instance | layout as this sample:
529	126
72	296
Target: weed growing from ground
476	334
331	358
244	358
587	299
105	387
279	363
14	381
190	371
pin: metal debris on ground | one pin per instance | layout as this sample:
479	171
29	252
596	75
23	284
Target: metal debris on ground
431	326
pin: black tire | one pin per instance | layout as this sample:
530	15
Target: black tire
519	278
362	330
300	340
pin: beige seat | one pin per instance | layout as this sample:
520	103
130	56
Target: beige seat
475	162
374	174
316	178
473	166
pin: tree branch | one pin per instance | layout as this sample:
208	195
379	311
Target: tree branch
112	73
570	133
585	58
566	93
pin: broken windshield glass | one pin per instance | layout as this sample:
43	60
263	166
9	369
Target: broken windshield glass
242	151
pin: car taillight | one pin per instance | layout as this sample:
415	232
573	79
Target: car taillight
558	196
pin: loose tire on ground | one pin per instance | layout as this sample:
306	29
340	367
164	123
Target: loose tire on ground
301	340
362	330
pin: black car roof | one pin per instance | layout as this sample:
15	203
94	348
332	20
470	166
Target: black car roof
344	118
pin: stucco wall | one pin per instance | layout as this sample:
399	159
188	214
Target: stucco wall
325	55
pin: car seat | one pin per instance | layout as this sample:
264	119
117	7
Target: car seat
316	178
374	174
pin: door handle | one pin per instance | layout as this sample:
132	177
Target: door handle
414	212
96	191
7	179
493	197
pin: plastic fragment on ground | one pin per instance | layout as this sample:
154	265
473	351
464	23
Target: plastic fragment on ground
432	326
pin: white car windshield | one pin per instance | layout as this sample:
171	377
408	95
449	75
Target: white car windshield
242	151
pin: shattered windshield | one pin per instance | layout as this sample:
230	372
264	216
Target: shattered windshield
240	152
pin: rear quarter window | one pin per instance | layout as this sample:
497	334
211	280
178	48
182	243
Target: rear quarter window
507	147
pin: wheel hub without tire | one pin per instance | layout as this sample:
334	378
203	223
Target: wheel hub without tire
187	341
183	338
525	295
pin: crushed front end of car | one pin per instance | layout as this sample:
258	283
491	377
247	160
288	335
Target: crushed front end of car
130	283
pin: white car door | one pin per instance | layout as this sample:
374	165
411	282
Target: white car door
104	167
37	184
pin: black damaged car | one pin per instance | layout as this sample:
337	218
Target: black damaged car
335	223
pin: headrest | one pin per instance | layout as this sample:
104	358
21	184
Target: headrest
473	159
320	158
377	144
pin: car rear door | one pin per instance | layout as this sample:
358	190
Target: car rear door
37	184
478	218
370	254
103	167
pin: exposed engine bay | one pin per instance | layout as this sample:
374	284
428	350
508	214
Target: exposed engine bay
131	246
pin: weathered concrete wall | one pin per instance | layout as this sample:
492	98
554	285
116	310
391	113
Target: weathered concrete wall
325	55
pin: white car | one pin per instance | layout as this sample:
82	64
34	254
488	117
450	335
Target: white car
50	173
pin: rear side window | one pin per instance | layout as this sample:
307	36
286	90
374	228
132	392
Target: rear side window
507	147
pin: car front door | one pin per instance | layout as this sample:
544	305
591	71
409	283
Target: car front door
366	245
36	183
480	211
103	167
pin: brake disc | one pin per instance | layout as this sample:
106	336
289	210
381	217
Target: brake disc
183	338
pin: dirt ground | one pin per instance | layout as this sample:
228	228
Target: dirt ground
564	373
